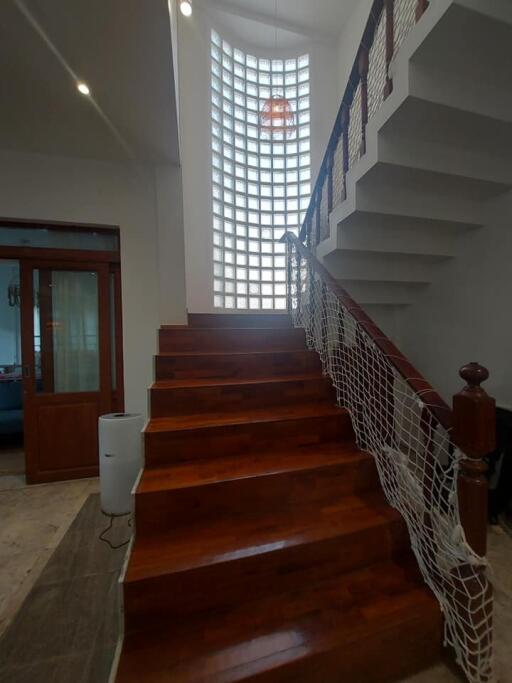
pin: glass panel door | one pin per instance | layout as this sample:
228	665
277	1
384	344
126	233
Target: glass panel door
67	366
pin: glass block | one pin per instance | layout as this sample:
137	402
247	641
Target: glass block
229	302
254	302
229	287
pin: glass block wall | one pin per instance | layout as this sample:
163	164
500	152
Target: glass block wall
261	180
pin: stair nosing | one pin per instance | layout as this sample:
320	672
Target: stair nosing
353	456
237	381
328	411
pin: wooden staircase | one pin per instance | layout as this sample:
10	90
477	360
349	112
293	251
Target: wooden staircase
264	548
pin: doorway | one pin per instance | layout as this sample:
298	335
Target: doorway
12	458
61	347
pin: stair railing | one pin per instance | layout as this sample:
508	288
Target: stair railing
429	457
369	84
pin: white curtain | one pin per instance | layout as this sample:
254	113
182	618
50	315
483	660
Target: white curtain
75	331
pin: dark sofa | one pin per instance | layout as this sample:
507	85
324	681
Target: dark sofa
11	407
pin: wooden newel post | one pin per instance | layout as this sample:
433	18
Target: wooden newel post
474	432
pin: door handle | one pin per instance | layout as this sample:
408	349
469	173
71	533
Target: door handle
27	371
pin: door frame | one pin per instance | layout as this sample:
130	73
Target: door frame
109	263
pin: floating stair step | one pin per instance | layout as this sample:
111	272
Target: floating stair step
168	439
179	397
229	485
239	320
242	364
231	339
212	564
374	625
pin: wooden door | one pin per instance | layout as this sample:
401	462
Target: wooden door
67	373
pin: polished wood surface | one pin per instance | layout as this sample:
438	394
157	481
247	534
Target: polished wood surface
264	548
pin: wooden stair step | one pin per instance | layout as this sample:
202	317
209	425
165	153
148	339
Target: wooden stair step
179	397
241	364
231	339
239	320
211	563
228	485
373	625
211	434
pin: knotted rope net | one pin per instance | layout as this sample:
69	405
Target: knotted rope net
416	460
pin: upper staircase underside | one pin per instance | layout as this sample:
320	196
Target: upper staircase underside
264	547
438	150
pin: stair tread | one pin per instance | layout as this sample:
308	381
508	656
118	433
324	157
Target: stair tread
208	542
271	414
264	352
233	381
279	628
228	468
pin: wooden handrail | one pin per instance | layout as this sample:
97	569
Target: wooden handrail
358	75
346	101
406	370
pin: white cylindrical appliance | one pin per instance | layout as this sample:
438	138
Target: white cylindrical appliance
120	445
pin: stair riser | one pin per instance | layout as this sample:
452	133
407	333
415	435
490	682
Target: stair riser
216	399
224	584
159	511
399	652
239	320
229	340
164	447
250	366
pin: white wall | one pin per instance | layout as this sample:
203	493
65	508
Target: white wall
465	315
195	121
139	200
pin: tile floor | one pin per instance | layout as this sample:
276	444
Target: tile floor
35	519
68	627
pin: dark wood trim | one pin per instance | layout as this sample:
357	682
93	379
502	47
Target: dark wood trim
69	255
46	329
413	377
64	226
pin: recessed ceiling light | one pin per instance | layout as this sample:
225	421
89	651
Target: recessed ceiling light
83	88
186	7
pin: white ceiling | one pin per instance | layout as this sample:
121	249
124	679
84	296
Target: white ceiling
121	48
295	19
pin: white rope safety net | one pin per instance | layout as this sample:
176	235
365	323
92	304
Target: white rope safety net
415	458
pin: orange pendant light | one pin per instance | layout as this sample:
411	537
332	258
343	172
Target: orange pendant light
277	116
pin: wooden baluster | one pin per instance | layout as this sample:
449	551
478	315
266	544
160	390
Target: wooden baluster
299	282
318	225
390	44
325	341
309	232
363	74
330	182
474	432
345	124
421	6
289	303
